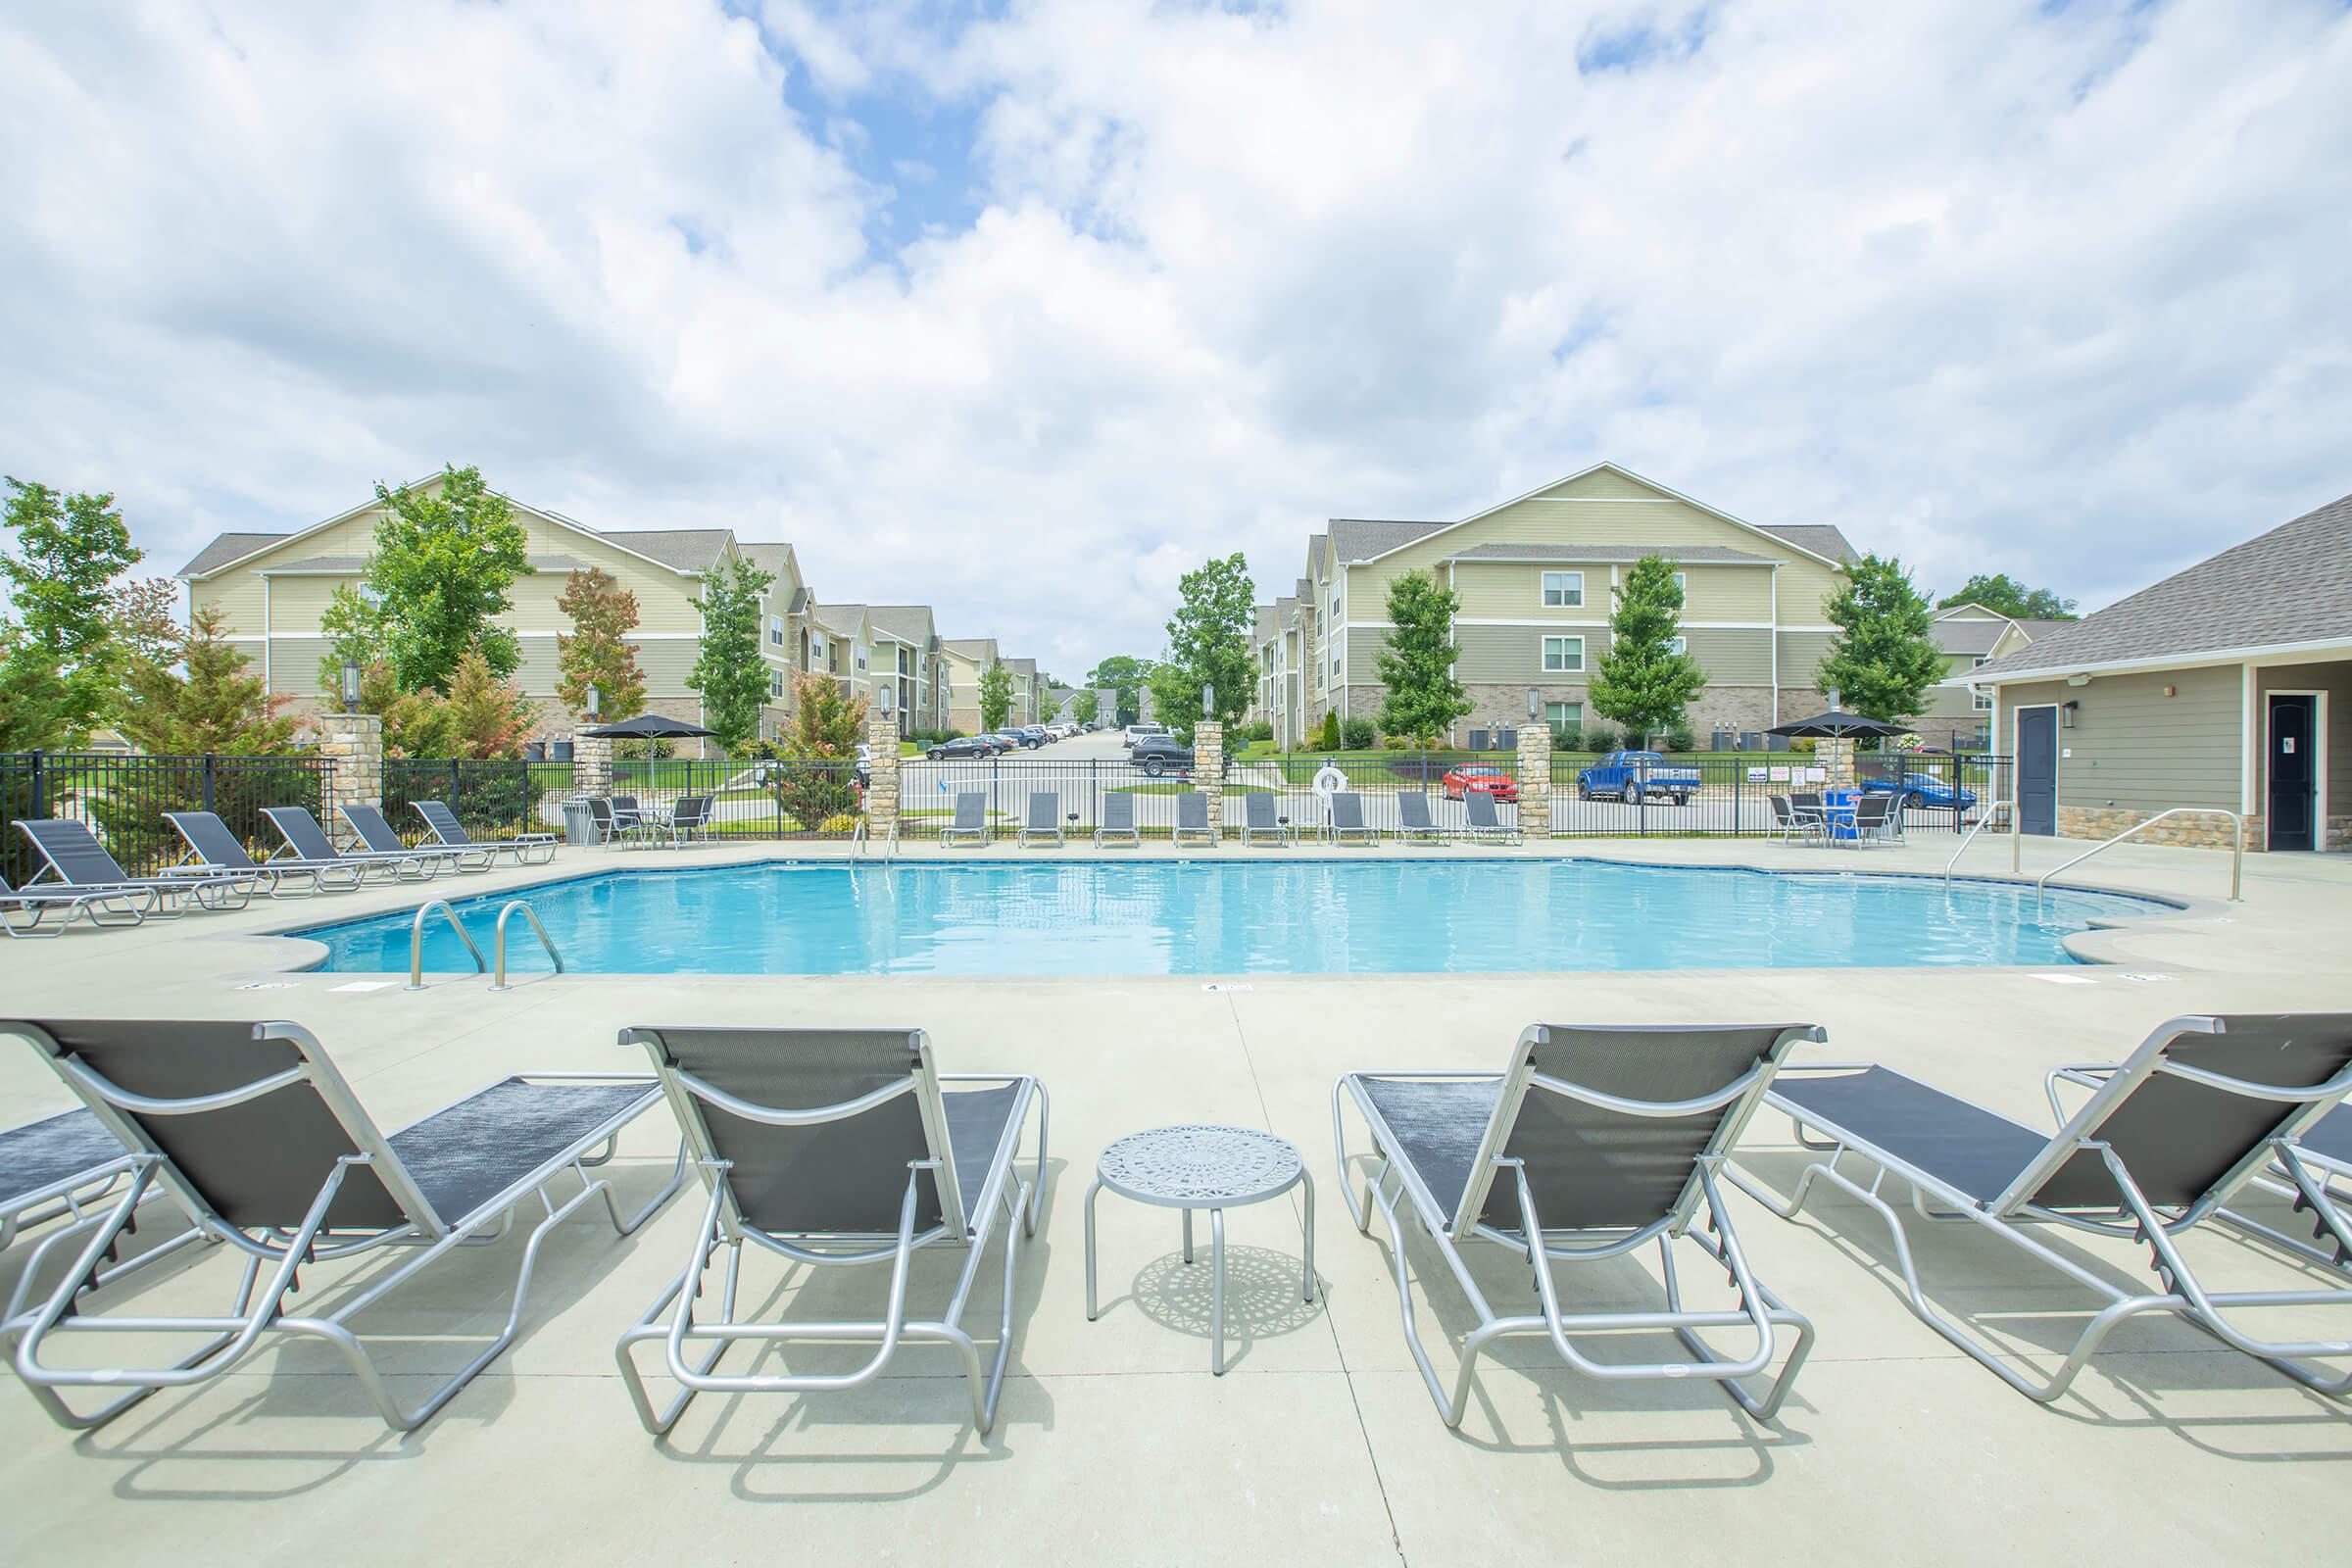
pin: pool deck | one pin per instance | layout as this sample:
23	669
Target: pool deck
1115	1445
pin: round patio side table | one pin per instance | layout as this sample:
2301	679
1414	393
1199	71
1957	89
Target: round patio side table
1201	1165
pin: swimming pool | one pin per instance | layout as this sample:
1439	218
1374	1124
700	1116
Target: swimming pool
1369	916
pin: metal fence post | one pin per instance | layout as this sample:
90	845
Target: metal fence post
212	765
40	785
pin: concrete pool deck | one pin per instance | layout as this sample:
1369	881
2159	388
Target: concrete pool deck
1115	1445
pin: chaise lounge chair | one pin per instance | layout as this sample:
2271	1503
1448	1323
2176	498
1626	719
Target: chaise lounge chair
212	847
100	906
971	819
253	1130
1192	818
1258	816
837	1149
306	843
1412	811
2162	1143
1119	820
1484	819
381	838
1044	820
1348	817
71	852
1590	1144
527	849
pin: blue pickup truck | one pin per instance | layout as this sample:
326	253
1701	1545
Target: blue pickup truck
1633	776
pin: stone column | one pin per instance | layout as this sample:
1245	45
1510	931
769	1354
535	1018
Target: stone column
882	795
354	744
1535	779
1208	769
1837	758
591	763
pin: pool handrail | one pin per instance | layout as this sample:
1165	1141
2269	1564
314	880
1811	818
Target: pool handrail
498	948
2237	847
416	942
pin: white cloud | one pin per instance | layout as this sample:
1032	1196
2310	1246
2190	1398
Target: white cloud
2055	290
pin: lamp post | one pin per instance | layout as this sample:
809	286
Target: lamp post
1208	701
595	705
351	686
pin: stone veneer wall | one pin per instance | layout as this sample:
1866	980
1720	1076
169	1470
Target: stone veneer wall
354	745
1208	769
2190	832
1535	781
882	791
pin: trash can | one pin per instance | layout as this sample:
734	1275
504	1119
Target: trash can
579	827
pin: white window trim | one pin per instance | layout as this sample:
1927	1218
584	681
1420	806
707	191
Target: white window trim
1678	644
1543	590
1543	660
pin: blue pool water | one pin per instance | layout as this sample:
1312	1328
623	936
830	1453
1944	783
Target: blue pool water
1273	918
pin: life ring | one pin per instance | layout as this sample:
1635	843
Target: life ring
1329	781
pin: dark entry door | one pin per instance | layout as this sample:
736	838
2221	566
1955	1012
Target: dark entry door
2290	804
2038	770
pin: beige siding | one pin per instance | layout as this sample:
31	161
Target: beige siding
1806	588
537	674
294	665
1741	594
1602	485
1491	654
665	663
238	598
1800	656
2133	748
1732	657
296	603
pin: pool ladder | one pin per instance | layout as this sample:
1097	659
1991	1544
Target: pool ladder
498	973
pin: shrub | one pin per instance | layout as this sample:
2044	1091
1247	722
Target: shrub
1358	734
1262	730
1567	738
1398	743
1600	737
1327	736
840	824
1680	739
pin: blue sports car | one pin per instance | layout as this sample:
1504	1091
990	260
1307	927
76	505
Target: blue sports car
1924	793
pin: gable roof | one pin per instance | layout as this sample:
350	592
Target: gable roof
1362	538
229	547
1969	635
972	648
909	623
1822	539
679	549
2285	589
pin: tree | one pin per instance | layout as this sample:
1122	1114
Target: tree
69	548
1417	664
2006	595
1124	677
598	653
826	727
996	697
203	700
356	633
1885	658
728	670
1209	645
1642	683
442	565
1084	707
143	620
32	696
482	715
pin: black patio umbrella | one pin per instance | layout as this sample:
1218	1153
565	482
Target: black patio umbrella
1835	725
652	727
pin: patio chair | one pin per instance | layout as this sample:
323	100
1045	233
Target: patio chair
1348	817
1043	820
1412	811
100	906
527	849
1592	1142
836	1148
1119	820
690	819
306	843
630	824
212	847
1812	813
57	1168
971	819
2161	1144
1486	819
2326	1148
70	853
1789	823
253	1130
1258	816
1192	818
1879	819
381	838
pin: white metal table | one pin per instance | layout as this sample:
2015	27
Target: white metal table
1201	1165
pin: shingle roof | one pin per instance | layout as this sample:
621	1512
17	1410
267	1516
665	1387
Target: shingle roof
1022	666
226	548
909	623
1362	538
1965	636
1696	554
1822	539
1268	618
2290	585
970	647
684	548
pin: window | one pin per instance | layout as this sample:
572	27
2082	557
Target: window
775	683
1564	715
1980	698
775	630
1678	645
1563	655
1335	601
1682	585
861	658
1563	590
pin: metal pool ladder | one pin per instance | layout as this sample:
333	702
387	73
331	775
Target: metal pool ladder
2237	845
416	942
498	978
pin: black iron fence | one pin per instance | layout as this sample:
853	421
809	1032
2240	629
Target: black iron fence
123	798
1707	794
493	798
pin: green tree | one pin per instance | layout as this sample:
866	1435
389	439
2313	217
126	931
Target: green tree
826	727
1417	664
598	653
143	619
352	623
204	700
1885	658
1084	707
442	565
1125	678
2006	595
728	670
1209	645
1642	683
32	716
996	697
69	546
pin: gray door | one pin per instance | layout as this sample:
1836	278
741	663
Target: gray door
2038	770
2291	775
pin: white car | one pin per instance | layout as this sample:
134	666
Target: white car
1135	732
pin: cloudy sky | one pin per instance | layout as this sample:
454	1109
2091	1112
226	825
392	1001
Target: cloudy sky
1023	309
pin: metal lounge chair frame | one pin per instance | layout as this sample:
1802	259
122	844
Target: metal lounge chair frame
100	906
630	824
1879	818
1119	820
689	820
380	837
1480	804
1347	819
1812	815
72	853
2081	1178
233	1155
1191	817
527	849
212	847
1259	815
1412	811
901	1063
1525	1090
301	840
1043	820
56	1168
2325	1146
1790	823
970	821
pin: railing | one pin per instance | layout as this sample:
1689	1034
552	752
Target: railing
122	797
498	948
2237	847
493	798
1999	813
417	941
1729	793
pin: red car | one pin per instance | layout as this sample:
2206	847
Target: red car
1486	780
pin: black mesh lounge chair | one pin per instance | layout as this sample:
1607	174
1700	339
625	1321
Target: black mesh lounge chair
527	849
1412	811
971	819
1044	820
836	1148
1348	817
381	838
212	847
1192	818
256	1134
57	1168
2326	1146
1484	819
306	844
72	853
24	911
1592	1142
2162	1143
1118	819
1258	817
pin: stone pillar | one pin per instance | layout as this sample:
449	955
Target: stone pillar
354	744
1535	779
1208	769
1837	758
882	795
591	763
